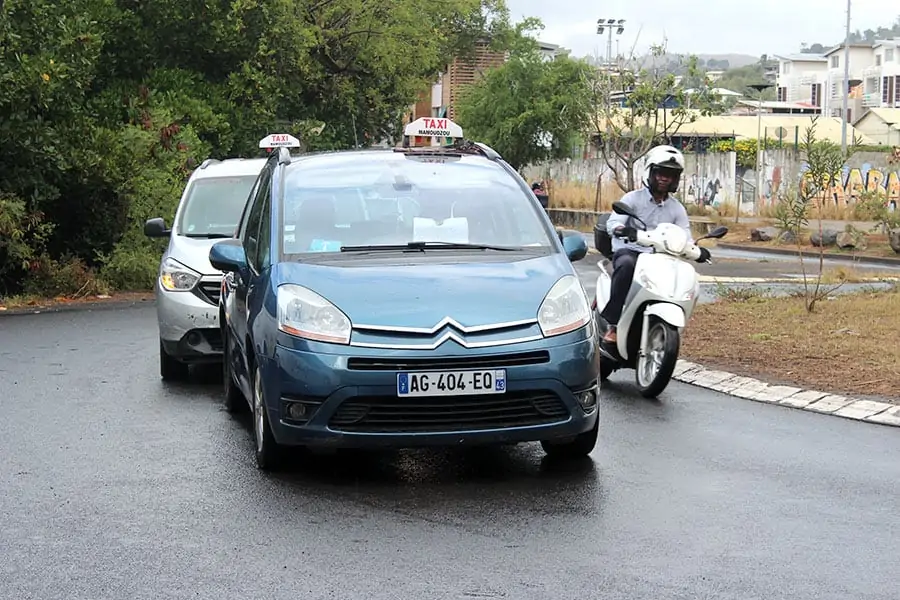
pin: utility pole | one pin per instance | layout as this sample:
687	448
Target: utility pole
759	87
846	86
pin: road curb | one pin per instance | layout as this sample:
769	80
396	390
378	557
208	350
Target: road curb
874	260
748	388
50	307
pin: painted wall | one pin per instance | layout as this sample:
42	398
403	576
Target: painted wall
714	178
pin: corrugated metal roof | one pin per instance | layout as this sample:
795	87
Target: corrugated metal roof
888	115
744	126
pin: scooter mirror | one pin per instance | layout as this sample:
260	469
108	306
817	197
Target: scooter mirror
620	208
718	232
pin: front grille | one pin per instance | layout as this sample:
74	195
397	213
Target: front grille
209	291
390	414
450	362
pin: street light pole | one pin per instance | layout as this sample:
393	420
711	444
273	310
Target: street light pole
846	86
759	87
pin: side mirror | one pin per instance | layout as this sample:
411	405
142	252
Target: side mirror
718	232
156	228
228	255
620	208
574	244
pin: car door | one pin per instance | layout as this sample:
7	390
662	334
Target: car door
258	267
249	236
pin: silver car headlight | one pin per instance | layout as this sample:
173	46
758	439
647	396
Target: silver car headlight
176	277
565	308
305	314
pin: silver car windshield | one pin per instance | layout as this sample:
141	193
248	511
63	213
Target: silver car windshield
213	205
440	203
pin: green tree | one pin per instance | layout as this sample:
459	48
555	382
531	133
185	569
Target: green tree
107	105
530	109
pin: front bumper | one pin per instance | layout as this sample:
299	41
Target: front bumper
350	399
189	321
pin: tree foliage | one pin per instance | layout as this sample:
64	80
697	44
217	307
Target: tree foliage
633	110
530	109
107	105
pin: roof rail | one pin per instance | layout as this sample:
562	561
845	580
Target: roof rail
457	148
208	162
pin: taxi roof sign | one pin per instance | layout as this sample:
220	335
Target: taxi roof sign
279	140
433	127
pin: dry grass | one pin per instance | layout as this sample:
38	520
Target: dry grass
848	345
35	302
574	196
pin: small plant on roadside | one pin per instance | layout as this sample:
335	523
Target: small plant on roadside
727	293
825	162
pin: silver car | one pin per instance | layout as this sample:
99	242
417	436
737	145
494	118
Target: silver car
187	289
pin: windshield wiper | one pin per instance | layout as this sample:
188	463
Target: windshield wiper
209	236
419	246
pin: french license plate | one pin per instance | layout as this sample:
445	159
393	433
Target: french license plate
451	383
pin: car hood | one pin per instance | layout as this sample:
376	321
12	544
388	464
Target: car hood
420	295
194	253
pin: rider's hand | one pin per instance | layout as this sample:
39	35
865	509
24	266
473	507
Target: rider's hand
704	255
627	232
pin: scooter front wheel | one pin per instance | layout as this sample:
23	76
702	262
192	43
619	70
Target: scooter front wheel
654	369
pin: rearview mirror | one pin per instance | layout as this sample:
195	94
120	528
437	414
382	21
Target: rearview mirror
620	208
228	256
718	232
156	228
574	244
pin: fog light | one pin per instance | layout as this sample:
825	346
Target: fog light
298	411
588	399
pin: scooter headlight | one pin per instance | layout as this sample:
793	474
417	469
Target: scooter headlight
565	308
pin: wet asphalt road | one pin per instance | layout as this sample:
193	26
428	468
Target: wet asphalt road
115	485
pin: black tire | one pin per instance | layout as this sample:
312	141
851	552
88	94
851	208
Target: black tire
670	347
170	368
234	401
578	447
269	454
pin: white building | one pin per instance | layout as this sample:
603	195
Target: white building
802	78
881	79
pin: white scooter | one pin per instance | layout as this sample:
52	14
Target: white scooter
664	291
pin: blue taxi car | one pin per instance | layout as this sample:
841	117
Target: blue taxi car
405	297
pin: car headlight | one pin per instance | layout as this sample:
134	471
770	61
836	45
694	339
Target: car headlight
306	314
565	308
176	277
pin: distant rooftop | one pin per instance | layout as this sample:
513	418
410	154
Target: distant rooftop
802	57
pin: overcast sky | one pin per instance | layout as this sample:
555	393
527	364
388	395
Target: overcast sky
705	26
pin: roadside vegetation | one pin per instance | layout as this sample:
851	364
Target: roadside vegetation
819	336
108	105
848	345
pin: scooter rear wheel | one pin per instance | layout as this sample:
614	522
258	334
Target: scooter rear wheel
654	370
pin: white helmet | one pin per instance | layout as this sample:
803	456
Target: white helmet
667	157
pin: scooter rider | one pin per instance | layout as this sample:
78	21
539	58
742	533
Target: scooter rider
653	204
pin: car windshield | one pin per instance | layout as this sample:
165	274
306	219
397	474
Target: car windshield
213	205
373	204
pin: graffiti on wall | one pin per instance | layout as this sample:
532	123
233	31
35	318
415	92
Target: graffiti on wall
709	180
856	181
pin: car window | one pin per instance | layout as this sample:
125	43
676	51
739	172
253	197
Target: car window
242	223
251	231
264	246
213	205
387	202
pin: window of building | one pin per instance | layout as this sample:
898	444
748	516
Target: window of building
835	62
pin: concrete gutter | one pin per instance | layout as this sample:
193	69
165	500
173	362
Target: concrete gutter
874	260
748	388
